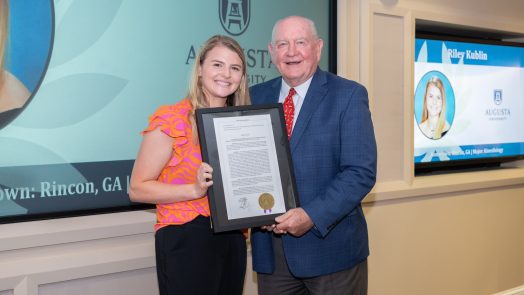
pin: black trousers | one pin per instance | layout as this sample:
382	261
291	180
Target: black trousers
191	259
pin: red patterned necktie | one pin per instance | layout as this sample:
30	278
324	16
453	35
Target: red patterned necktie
289	111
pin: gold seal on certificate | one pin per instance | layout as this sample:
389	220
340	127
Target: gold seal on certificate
266	202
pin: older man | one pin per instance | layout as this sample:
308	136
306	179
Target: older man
322	246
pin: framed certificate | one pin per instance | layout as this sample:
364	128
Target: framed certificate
253	180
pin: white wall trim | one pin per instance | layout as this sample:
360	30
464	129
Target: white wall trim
433	185
49	251
515	291
22	235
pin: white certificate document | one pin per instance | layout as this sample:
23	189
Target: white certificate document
249	166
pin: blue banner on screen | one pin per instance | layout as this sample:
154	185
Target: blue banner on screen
469	101
90	83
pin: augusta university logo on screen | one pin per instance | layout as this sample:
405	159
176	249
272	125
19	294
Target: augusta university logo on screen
497	113
234	15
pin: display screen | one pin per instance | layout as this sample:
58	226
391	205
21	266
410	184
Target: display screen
90	73
468	103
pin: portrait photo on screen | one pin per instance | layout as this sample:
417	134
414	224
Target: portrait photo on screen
434	105
26	29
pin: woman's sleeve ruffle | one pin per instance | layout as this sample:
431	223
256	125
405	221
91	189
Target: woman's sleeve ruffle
174	126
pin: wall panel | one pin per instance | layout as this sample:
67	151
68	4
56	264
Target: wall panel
388	94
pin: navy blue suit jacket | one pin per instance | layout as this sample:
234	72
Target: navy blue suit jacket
334	157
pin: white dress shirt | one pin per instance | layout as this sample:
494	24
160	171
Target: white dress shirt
298	98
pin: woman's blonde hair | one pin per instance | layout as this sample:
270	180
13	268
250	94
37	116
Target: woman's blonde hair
196	93
4	14
441	124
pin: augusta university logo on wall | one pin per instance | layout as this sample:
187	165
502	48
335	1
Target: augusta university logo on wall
234	15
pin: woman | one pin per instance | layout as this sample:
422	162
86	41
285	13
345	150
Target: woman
433	123
169	172
13	94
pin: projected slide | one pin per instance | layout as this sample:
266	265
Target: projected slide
469	101
94	71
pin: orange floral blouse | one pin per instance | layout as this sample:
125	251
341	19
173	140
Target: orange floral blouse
181	169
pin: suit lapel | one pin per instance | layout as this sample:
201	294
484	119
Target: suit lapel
273	93
316	93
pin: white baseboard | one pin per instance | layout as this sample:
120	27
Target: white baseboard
515	291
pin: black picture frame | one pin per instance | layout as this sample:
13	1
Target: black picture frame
210	154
